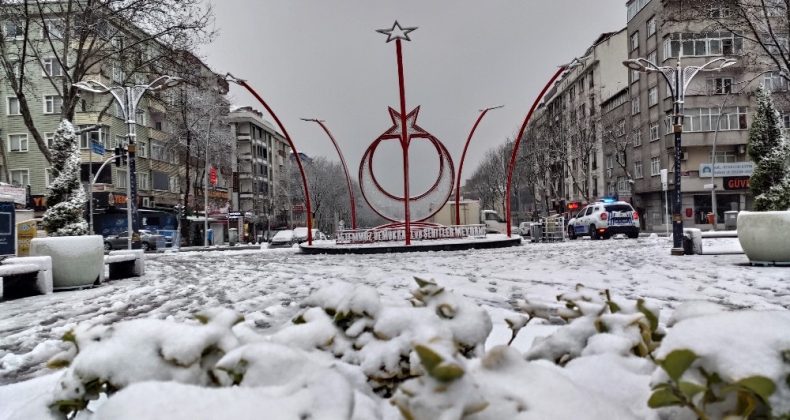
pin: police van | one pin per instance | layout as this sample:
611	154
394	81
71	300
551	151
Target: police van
602	220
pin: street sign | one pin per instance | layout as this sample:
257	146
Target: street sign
709	186
664	179
7	228
97	148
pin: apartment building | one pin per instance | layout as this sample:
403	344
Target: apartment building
261	186
656	32
569	122
99	120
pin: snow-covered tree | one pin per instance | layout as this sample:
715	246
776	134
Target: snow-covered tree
66	197
770	151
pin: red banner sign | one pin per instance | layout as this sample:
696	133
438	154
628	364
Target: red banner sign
212	176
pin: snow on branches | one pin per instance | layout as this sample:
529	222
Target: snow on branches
66	197
770	150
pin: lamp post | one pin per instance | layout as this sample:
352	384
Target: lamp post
678	79
128	97
483	113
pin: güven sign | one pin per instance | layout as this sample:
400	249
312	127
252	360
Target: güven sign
736	182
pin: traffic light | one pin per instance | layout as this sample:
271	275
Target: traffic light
118	152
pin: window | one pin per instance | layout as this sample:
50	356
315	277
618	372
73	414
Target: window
652	96
623	186
140	117
704	119
20	177
635	75
12	107
53	28
655	166
720	85
718	12
142	149
120	182
15	68
120	141
726	156
635	105
158	151
51	67
17	142
13	30
703	44
50	139
95	136
158	125
638	169
774	82
118	75
653	57
620	128
119	111
635	41
654	131
52	104
651	26
48	177
144	181
637	136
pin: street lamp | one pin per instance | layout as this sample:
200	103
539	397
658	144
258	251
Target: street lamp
483	113
128	97
678	79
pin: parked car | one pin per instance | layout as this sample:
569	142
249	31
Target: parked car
300	235
525	228
282	239
149	241
601	220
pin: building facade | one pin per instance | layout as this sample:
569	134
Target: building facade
261	194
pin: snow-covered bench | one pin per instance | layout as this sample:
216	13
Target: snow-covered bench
26	276
125	263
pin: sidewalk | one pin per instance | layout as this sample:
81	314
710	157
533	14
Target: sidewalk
237	247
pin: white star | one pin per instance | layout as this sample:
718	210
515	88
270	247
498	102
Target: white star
397	32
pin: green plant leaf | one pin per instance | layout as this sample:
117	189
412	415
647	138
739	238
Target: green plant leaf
677	362
690	389
430	359
70	337
663	398
447	372
760	385
423	282
58	364
651	317
203	319
613	307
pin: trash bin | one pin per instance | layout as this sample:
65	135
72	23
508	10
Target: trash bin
233	236
731	220
536	232
711	218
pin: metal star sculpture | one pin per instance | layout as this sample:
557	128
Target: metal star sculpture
397	32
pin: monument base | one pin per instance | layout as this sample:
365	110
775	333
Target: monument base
490	241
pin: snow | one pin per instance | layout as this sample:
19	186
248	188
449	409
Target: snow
137	330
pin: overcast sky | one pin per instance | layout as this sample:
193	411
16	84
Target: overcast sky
323	58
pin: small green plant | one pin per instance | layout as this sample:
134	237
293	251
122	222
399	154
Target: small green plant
751	394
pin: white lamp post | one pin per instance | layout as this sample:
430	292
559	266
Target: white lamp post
678	79
128	97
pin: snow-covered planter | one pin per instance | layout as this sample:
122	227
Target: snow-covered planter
77	261
765	236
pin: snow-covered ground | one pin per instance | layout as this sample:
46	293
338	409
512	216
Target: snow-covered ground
267	286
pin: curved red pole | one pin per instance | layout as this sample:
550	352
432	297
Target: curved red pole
512	163
296	155
345	169
461	165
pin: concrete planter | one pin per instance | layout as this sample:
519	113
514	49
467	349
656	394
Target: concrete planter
77	261
765	236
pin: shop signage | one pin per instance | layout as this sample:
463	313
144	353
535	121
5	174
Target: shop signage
25	232
736	182
19	194
727	169
399	234
7	234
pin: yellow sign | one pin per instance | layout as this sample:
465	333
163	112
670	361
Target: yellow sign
25	231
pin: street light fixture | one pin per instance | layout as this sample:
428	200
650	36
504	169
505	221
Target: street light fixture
128	97
678	79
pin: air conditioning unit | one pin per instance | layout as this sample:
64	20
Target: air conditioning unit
684	156
609	173
148	202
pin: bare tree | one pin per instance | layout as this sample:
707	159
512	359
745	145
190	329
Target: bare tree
328	191
71	40
582	143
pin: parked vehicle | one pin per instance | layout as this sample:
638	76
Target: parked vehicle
525	228
282	239
494	223
300	235
601	220
149	241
